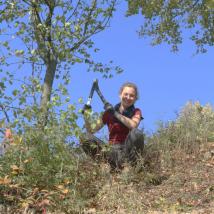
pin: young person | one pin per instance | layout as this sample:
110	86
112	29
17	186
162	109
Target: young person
126	141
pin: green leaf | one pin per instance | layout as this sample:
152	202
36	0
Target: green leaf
19	52
2	85
80	100
15	92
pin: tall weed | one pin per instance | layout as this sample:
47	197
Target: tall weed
194	125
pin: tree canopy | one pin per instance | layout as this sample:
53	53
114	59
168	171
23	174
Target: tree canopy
165	21
47	37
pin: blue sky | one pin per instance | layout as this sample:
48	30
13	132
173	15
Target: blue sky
166	80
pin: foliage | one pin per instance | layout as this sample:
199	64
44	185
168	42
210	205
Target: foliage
45	170
194	124
164	21
42	40
41	167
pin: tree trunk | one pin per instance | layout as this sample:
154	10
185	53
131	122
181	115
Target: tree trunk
47	89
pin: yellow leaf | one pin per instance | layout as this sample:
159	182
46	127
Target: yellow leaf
14	186
15	172
15	167
5	180
20	139
60	187
44	190
28	160
67	181
65	191
25	204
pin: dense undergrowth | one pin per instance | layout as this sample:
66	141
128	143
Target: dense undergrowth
42	174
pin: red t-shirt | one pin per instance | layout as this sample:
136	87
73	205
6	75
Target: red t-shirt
117	131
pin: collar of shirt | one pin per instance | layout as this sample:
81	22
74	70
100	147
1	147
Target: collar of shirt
129	112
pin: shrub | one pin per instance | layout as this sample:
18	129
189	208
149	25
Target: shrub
44	171
194	124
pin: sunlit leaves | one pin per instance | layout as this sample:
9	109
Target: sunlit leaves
164	21
45	39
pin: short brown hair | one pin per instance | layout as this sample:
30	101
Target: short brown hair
131	85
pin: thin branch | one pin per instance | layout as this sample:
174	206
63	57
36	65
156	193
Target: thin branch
94	3
27	2
5	113
98	29
75	9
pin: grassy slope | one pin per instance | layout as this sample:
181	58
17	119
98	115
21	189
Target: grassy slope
176	174
185	187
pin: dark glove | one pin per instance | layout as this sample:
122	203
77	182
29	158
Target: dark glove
85	107
109	107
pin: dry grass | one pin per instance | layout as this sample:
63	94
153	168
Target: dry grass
187	187
174	175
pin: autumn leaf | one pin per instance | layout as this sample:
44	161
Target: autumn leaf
15	169
25	204
5	180
14	186
67	181
65	191
60	187
44	191
28	160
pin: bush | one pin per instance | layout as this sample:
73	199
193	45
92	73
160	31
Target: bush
194	124
44	171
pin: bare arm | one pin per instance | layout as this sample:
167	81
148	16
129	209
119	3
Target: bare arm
130	123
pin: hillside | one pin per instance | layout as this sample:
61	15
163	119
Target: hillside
185	187
175	174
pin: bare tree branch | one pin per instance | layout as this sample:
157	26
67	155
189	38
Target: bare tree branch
75	9
5	113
